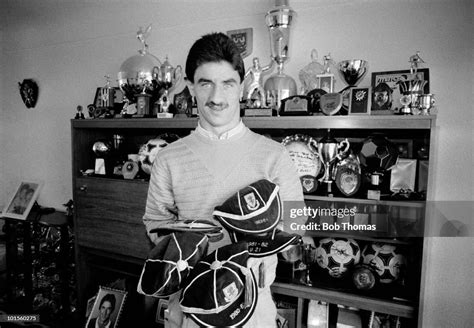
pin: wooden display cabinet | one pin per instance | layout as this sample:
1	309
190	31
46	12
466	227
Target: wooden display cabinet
111	239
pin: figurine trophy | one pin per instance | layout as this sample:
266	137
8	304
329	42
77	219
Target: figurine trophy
412	88
169	77
352	71
331	152
255	94
279	86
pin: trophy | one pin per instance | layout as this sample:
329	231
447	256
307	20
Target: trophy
308	74
136	73
352	71
279	86
425	103
309	257
145	80
331	151
412	88
168	76
103	150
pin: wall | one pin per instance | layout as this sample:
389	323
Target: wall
68	47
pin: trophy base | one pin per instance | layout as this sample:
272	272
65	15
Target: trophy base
258	112
164	115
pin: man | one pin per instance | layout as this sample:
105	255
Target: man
195	174
106	308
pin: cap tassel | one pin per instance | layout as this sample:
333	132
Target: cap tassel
248	287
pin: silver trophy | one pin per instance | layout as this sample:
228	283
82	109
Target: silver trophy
352	71
331	152
169	77
135	76
412	88
279	86
143	78
425	103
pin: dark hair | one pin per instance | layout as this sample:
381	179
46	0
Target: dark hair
109	298
214	47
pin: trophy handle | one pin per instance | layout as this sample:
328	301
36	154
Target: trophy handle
314	144
342	148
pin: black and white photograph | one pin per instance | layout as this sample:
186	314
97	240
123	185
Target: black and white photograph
22	200
319	172
107	308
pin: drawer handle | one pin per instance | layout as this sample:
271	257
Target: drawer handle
83	188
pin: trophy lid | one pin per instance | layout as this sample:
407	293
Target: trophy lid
281	15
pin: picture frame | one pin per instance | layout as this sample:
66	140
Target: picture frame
392	77
160	311
325	82
108	306
243	38
22	200
360	101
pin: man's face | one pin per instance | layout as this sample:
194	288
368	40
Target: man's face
105	312
217	89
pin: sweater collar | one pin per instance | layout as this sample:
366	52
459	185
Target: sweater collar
224	136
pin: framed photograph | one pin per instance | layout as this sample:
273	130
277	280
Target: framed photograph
243	38
325	82
392	79
160	311
360	101
108	306
22	200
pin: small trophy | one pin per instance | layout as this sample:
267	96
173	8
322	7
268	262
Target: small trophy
331	152
169	77
103	150
425	103
255	95
279	86
309	257
352	72
104	98
309	74
413	88
326	80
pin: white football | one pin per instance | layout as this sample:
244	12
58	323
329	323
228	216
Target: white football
337	255
386	259
148	152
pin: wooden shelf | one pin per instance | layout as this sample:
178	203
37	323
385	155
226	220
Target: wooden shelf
414	204
393	307
287	122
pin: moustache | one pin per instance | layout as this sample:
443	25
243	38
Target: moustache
213	105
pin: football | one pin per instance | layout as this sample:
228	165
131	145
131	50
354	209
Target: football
387	260
337	255
149	150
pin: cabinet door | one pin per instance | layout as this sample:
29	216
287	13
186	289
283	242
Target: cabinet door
109	216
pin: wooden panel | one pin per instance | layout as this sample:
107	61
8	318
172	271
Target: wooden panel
109	215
